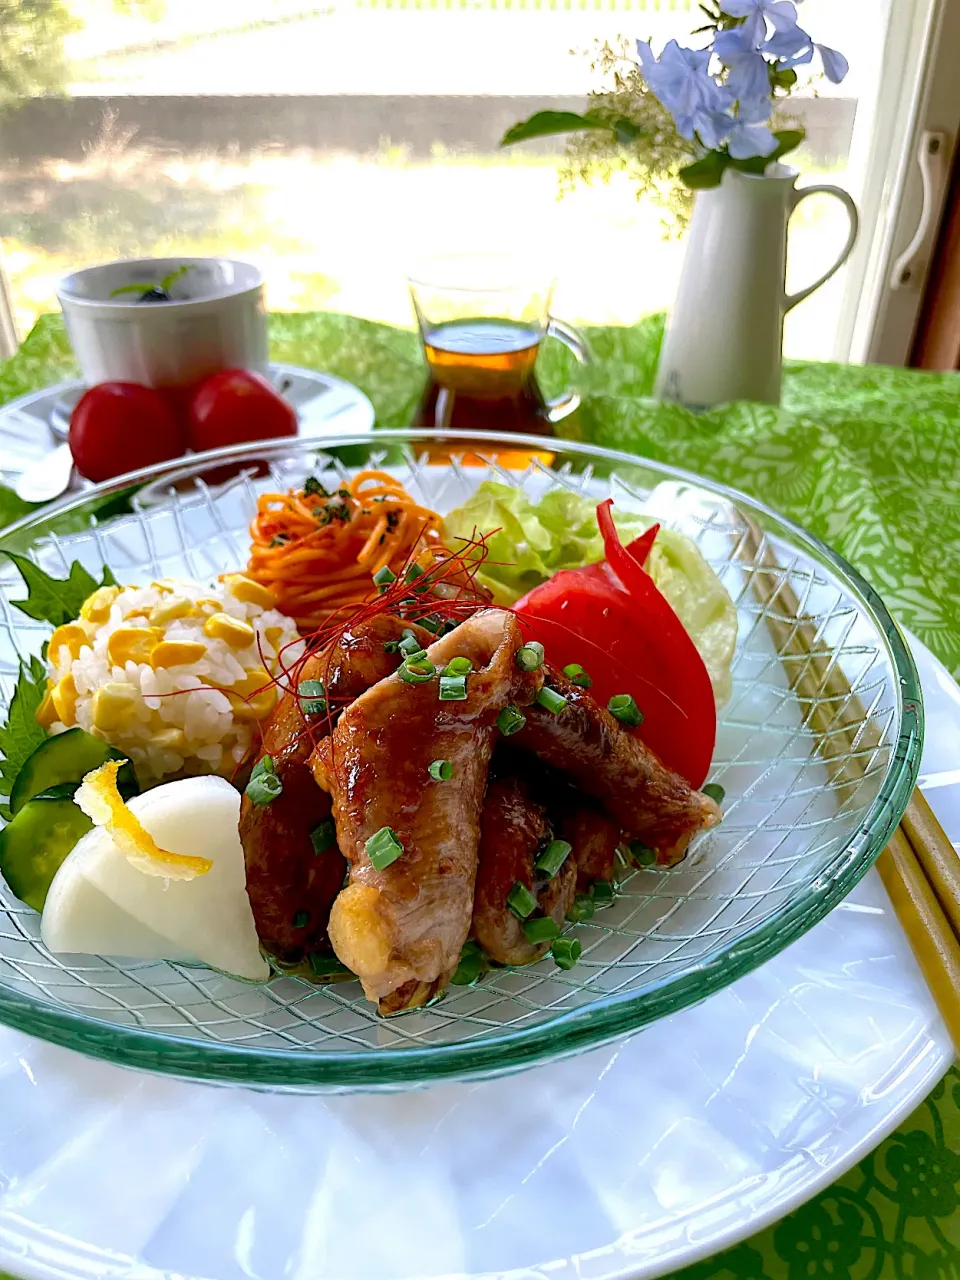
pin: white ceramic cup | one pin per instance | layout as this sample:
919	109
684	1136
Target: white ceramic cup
216	321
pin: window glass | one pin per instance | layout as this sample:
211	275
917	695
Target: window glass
331	143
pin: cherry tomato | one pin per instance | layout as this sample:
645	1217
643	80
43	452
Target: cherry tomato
236	406
612	620
119	426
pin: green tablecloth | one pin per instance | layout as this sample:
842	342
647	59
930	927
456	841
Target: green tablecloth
869	459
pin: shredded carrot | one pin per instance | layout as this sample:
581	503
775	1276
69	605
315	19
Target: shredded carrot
318	551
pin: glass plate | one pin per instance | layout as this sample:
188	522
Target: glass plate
816	778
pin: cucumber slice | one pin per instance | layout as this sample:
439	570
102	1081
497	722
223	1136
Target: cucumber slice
66	758
35	843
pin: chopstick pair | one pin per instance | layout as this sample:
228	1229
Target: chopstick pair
920	871
919	868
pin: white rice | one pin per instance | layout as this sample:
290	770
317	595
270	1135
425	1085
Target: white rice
214	738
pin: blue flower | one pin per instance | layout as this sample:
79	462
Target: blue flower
835	65
749	70
680	79
755	12
732	106
749	135
789	40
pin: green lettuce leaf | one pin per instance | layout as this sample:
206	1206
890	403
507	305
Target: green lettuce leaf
533	540
700	601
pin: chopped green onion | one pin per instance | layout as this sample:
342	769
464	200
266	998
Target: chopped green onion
453	688
415	655
458	667
576	675
383	577
417	671
430	623
409	644
391	646
543	929
264	785
566	952
552	858
714	791
312	701
264	789
601	891
383	848
412	574
301	919
323	836
582	908
325	966
642	854
530	656
510	720
441	770
623	707
521	901
449	626
551	701
471	965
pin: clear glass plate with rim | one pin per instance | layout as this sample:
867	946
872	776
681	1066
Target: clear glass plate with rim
818	750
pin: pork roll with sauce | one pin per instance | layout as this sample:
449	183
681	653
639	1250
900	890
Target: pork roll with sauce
600	756
411	840
294	868
514	830
593	837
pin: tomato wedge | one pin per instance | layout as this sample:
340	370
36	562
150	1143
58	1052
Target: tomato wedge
612	620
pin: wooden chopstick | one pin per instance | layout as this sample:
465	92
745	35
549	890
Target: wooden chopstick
936	855
919	868
932	940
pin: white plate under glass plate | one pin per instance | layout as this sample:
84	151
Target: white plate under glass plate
32	426
628	1161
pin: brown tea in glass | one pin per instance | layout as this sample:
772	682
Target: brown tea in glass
482	320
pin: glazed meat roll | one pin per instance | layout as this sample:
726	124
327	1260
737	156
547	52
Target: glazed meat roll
601	757
294	868
514	829
411	839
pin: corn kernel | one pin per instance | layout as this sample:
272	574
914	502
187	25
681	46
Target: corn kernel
72	636
170	740
247	591
253	697
132	644
175	607
113	705
273	636
64	698
136	613
257	707
237	634
96	608
177	653
254	679
164	586
206	603
47	712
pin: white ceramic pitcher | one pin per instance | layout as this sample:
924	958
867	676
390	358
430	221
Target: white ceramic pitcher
724	337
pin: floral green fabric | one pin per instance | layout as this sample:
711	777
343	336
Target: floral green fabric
869	459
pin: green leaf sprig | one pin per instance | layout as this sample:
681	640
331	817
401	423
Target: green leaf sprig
21	734
55	600
165	285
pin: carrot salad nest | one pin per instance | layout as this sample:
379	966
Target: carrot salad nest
318	550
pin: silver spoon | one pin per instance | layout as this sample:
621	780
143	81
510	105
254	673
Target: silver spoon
47	479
